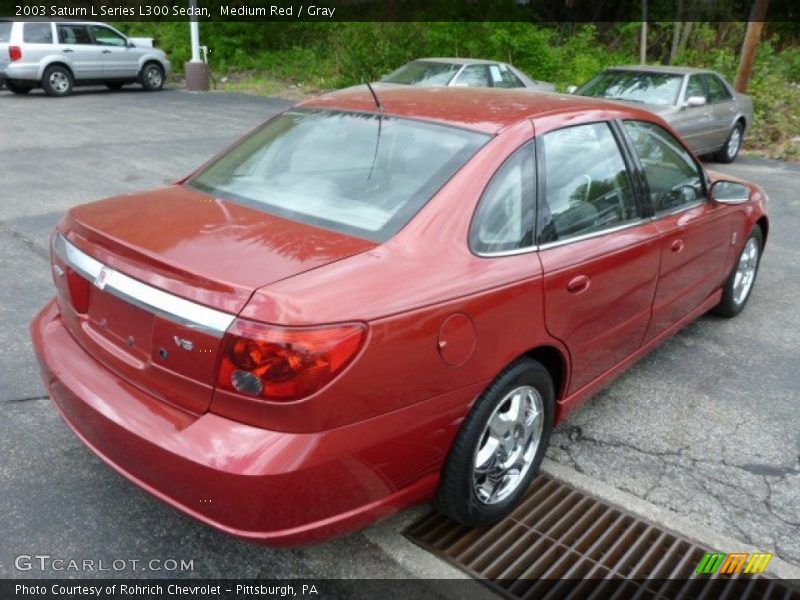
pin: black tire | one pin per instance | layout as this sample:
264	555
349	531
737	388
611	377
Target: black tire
18	88
152	77
729	152
114	87
733	302
457	495
57	81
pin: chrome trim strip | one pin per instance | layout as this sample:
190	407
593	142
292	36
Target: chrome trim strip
594	234
171	307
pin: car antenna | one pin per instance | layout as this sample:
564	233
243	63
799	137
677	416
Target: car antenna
375	96
380	129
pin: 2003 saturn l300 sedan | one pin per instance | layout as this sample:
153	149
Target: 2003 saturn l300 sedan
370	302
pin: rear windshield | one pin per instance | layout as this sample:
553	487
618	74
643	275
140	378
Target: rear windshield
421	72
360	174
635	86
5	31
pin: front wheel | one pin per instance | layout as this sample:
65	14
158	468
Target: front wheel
58	81
152	77
500	446
729	152
18	88
743	276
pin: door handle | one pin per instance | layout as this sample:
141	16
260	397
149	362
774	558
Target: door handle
67	50
578	284
677	246
106	51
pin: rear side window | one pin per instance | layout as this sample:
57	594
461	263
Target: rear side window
504	219
587	185
37	33
74	34
356	173
5	31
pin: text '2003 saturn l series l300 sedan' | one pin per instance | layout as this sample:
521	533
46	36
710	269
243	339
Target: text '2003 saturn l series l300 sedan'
377	300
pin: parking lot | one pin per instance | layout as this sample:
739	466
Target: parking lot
707	426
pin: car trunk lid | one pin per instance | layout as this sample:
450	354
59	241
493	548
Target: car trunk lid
149	283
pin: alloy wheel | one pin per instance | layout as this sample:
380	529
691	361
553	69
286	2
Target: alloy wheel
508	445
745	271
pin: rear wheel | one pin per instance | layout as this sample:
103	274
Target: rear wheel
500	446
730	150
18	88
58	81
152	77
743	276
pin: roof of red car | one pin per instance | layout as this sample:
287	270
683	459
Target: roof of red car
484	109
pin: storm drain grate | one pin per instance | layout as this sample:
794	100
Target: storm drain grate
561	542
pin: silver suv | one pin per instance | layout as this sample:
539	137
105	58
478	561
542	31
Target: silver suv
59	55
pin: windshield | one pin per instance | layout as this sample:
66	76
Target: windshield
354	173
5	31
635	86
421	72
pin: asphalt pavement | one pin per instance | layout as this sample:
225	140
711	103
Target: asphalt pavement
707	426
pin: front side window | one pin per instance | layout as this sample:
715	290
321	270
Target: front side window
503	77
356	173
635	86
695	87
473	76
673	177
107	37
73	34
717	91
505	215
422	72
37	33
587	185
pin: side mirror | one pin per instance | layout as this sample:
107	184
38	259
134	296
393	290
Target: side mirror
571	89
130	44
694	101
729	192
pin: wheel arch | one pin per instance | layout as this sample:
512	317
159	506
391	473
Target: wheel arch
763	224
557	364
57	63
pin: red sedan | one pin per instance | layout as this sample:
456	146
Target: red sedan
373	301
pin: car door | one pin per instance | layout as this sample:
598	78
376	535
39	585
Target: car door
83	56
599	250
693	123
120	61
695	232
723	110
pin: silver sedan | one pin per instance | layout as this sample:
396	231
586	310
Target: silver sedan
464	72
704	108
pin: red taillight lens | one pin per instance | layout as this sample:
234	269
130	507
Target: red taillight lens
78	291
285	363
15	53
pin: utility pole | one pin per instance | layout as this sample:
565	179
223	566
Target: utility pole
197	75
755	25
643	35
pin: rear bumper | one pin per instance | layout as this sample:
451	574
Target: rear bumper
265	486
21	71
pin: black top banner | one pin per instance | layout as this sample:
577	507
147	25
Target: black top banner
327	11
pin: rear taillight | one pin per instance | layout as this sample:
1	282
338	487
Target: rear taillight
78	291
15	53
285	363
